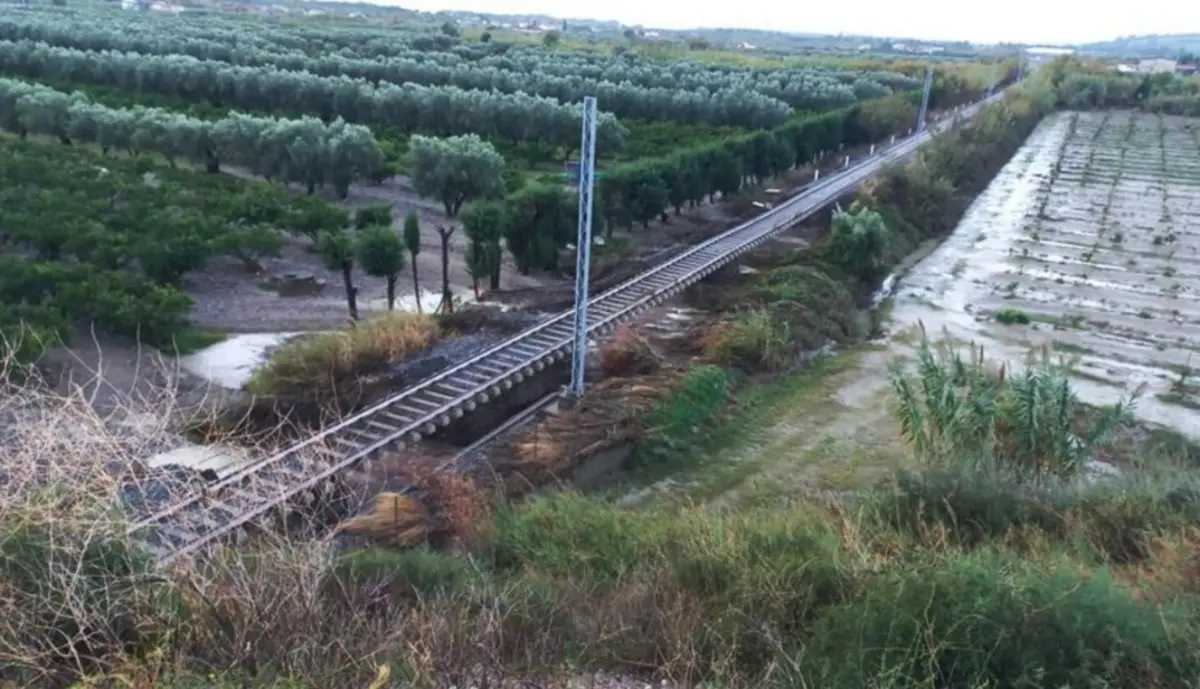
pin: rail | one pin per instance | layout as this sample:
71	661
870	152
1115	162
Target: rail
219	509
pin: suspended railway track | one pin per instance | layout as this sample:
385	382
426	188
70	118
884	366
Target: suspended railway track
222	508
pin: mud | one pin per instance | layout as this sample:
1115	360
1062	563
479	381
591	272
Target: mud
232	362
1099	256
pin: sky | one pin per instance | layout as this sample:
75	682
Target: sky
1025	21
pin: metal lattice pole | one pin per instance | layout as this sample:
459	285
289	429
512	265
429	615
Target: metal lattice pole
583	244
925	100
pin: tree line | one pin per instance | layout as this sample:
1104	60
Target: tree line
306	151
644	71
630	87
1080	88
444	111
801	88
213	37
536	222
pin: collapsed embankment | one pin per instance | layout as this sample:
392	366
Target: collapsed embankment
652	405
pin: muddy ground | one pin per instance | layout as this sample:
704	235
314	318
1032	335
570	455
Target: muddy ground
1116	318
1099	258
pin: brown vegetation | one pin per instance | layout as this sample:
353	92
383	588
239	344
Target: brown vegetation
612	413
627	353
326	361
395	520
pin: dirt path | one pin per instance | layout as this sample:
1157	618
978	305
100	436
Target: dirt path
833	432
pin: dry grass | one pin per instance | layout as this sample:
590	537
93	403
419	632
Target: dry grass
327	360
611	414
444	510
627	353
395	520
64	466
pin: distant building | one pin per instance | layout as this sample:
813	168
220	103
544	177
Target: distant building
1048	52
1186	70
1157	66
1040	55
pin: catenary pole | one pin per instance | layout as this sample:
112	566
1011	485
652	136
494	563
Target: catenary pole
583	244
925	100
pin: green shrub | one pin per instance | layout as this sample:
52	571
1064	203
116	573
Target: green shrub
1012	317
1114	522
680	420
988	620
955	409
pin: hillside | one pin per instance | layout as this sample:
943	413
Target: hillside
1152	45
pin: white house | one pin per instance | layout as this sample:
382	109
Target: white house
1156	66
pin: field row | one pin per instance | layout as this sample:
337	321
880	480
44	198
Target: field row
627	89
1109	255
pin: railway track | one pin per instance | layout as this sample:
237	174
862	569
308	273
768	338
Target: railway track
221	509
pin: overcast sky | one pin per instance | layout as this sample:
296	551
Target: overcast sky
1029	21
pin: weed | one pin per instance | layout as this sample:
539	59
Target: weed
754	341
321	362
955	409
1012	317
686	414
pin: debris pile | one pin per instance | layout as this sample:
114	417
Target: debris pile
627	353
444	510
610	414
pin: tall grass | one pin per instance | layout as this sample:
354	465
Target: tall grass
889	593
1029	421
683	418
324	361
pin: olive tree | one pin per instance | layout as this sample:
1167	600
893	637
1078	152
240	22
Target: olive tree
337	250
456	169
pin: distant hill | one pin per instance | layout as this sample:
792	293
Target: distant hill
1153	45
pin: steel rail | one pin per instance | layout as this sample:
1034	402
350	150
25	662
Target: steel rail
219	509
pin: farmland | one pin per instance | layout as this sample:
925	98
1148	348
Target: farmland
794	487
1091	254
336	114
